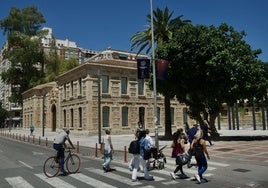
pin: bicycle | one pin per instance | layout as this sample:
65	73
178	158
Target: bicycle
51	166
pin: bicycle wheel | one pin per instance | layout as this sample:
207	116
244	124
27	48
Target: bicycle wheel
51	168
73	163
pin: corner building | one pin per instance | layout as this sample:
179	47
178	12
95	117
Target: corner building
73	100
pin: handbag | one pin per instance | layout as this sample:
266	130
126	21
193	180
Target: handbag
182	159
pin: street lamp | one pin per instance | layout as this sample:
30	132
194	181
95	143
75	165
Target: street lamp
154	78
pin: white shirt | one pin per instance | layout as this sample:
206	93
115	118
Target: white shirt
61	138
149	138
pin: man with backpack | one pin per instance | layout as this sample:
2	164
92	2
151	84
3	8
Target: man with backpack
140	158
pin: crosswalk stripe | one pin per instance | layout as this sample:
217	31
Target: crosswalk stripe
91	181
218	164
116	177
18	182
156	178
55	182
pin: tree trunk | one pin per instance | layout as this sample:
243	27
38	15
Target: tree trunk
168	131
214	133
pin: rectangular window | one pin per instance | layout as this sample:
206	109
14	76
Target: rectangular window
80	117
105	116
141	114
64	91
72	118
80	86
64	118
125	116
140	87
105	84
123	85
72	89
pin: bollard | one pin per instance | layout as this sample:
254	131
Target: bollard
77	147
39	141
46	141
24	137
96	150
16	136
125	154
28	138
33	139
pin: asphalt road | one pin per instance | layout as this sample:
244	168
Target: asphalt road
22	163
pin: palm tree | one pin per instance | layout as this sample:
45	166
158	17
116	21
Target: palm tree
164	26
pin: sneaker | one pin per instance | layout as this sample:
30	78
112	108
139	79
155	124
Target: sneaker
64	173
173	176
204	180
149	178
104	169
197	177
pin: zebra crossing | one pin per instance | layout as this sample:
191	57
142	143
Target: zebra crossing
92	177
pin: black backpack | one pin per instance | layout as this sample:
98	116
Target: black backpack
134	147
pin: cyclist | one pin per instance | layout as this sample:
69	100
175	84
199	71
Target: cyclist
60	145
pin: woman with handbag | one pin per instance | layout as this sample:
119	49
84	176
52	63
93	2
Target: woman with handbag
178	152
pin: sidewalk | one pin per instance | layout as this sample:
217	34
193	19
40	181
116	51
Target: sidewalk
120	141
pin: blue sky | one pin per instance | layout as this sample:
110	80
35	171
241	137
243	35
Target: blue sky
98	24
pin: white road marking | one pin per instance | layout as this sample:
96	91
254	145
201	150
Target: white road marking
18	182
55	182
115	177
37	153
156	178
25	164
91	181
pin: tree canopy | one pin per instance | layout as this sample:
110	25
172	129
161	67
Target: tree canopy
211	66
24	49
164	26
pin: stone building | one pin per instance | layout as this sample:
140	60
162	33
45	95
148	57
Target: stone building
107	82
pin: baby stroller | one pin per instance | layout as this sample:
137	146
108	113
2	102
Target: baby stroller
159	158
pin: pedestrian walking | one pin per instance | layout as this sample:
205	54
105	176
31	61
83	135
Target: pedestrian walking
205	128
200	149
108	150
31	129
139	128
139	158
150	145
191	134
178	152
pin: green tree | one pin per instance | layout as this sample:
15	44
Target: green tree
67	65
24	49
164	26
3	115
214	66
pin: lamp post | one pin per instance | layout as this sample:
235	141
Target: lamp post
43	116
99	106
154	78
